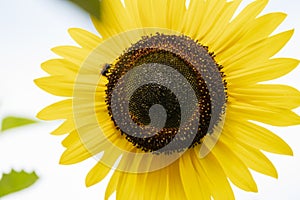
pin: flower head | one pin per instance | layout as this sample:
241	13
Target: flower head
169	97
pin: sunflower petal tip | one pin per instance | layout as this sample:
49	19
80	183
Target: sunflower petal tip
90	180
57	49
287	151
273	173
73	30
41	83
106	197
297	120
54	49
264	2
39	115
290	152
254	188
297	61
63	160
290	32
43	114
55	132
88	183
283	14
37	82
43	64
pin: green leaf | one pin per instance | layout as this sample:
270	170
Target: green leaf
14	122
16	181
91	6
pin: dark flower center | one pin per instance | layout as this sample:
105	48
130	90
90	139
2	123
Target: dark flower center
153	106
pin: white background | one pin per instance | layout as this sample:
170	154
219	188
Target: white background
28	30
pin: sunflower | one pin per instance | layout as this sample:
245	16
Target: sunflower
169	97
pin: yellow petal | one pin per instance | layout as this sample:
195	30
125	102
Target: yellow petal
279	96
175	19
129	186
260	51
153	13
258	29
149	192
251	157
238	26
97	174
125	189
113	19
205	191
234	168
159	187
193	15
269	70
90	141
141	186
57	85
75	154
263	113
157	13
73	54
262	27
79	149
212	11
257	137
112	185
176	190
66	127
85	38
59	110
60	67
219	185
133	11
219	24
136	185
71	139
194	187
111	154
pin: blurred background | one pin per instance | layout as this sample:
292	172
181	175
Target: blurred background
28	30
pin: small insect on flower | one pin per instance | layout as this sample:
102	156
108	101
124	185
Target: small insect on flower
105	69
